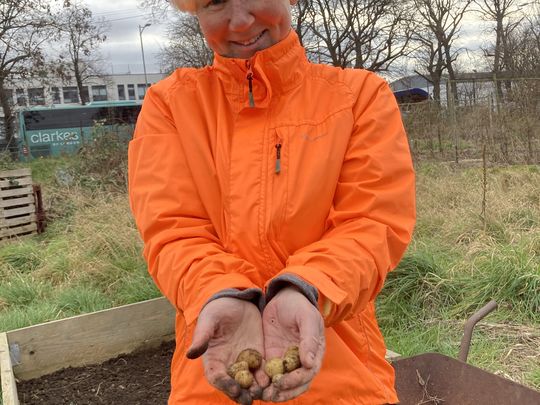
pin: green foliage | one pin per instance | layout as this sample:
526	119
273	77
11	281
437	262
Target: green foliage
417	288
534	377
44	171
510	274
22	292
82	299
22	257
102	163
438	337
137	288
20	317
7	162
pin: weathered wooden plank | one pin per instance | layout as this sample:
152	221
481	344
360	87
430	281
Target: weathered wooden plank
15	173
91	338
23	181
12	202
9	387
12	192
9	222
8	213
19	230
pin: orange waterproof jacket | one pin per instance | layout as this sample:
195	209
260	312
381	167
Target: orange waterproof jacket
218	207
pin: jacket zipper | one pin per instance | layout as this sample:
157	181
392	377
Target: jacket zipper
278	156
250	84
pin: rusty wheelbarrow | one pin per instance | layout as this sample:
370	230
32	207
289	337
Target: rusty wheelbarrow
435	379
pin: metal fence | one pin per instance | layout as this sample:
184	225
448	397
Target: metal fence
494	120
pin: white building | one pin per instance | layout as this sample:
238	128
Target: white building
52	92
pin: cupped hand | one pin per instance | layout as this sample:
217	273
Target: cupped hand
289	319
225	327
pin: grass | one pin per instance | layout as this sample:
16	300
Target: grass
90	259
459	261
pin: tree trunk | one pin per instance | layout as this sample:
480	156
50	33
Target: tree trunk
497	62
77	73
9	121
436	82
452	79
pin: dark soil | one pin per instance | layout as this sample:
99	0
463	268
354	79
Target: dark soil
139	378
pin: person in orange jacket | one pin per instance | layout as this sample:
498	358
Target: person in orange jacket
273	196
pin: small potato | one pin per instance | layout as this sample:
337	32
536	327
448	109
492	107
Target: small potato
291	360
276	379
252	357
236	367
244	378
273	367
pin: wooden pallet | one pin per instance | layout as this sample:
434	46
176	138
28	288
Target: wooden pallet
17	204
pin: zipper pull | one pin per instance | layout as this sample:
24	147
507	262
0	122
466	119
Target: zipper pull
278	157
250	84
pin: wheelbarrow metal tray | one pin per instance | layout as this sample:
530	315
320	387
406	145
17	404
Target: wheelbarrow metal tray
432	377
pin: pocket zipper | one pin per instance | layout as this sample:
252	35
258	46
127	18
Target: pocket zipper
278	156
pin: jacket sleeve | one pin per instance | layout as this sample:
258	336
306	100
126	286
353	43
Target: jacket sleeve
372	217
184	254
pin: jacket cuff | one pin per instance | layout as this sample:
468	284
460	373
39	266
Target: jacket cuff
212	287
324	284
254	295
287	279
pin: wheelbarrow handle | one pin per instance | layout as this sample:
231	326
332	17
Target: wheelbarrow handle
469	326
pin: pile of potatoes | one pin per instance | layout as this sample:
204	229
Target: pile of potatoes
249	360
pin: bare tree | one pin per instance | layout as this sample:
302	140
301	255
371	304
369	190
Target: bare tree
505	16
157	9
187	46
301	15
82	36
369	34
23	32
440	22
527	55
429	58
331	30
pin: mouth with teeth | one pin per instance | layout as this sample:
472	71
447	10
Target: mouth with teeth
251	41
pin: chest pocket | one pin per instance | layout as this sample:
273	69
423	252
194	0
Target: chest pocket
309	157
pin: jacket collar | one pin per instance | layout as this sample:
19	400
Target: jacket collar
276	70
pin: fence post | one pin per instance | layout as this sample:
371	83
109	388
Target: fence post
452	113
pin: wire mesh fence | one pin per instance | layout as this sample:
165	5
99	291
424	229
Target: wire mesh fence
498	119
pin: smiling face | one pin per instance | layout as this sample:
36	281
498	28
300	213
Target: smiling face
239	28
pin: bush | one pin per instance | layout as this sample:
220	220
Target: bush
102	163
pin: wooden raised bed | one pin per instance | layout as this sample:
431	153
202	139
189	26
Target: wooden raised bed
83	340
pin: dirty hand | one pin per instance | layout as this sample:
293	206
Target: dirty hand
290	319
225	327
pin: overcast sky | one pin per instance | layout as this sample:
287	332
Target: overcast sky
123	48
